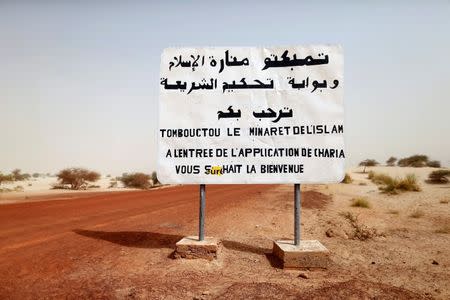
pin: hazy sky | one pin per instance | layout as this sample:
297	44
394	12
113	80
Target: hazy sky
79	79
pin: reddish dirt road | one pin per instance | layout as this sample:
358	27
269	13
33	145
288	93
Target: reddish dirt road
118	245
41	242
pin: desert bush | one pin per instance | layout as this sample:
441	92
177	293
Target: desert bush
136	180
417	214
390	185
393	212
444	201
409	183
439	176
35	175
77	178
360	202
368	163
416	161
347	179
391	161
380	178
434	164
18	176
6	178
360	232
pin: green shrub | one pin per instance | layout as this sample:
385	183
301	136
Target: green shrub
77	178
409	183
380	178
390	185
439	176
416	161
136	180
360	202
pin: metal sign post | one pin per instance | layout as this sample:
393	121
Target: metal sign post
297	212
201	219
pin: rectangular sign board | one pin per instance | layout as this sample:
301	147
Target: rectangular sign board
251	115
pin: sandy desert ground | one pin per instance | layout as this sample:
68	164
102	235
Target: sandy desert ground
118	245
41	187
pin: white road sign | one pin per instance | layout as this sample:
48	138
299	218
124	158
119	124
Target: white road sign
251	115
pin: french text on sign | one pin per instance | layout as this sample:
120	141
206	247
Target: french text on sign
251	115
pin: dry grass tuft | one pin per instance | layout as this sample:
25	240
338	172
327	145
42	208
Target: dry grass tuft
347	179
360	202
393	186
360	231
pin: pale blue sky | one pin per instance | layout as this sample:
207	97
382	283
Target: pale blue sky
79	79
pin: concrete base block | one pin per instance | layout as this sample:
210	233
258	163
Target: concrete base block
309	254
190	247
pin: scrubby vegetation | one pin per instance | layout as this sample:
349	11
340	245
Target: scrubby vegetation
6	178
77	178
434	164
391	161
136	180
439	176
368	163
347	179
391	185
18	176
360	232
418	161
360	202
